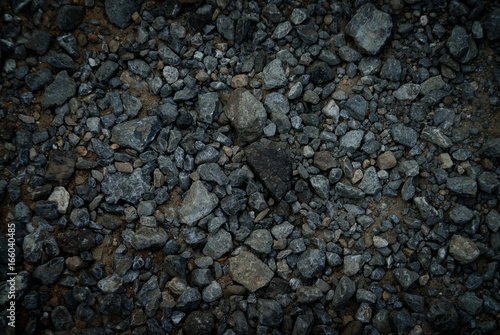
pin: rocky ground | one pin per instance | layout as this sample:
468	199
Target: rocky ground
251	167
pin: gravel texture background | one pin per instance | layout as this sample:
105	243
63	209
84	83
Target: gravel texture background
251	167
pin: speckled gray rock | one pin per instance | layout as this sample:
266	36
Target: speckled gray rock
463	249
461	214
370	184
462	185
405	277
343	292
106	71
136	134
274	75
198	203
218	244
124	186
120	11
436	136
260	240
249	271
145	237
493	220
208	105
491	147
351	140
62	88
247	114
311	262
404	135
357	107
370	28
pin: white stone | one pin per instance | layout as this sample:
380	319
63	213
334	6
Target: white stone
61	197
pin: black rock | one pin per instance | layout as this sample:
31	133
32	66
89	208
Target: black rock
106	71
272	164
199	323
75	241
61	89
307	33
61	318
68	43
61	61
39	42
491	24
46	209
39	79
320	73
70	17
120	11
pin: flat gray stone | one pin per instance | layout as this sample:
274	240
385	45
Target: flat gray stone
218	244
249	271
124	186
59	91
272	164
274	75
247	114
463	249
120	11
197	204
136	134
145	237
370	28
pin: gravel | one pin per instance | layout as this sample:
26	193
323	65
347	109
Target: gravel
238	167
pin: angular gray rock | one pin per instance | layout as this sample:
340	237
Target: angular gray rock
311	262
218	244
197	204
321	185
463	249
260	240
370	184
49	272
407	92
491	147
351	140
145	237
349	191
124	186
436	136
357	107
272	164
212	172
120	11
405	277
461	45
39	79
106	71
343	292
274	75
404	135
247	114
207	106
136	134
426	210
62	88
462	185
249	271
370	28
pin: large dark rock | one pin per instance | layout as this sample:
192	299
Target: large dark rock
370	28
49	272
61	166
38	80
39	42
320	72
61	89
120	11
491	147
136	134
491	24
75	241
272	164
247	114
127	187
70	17
199	323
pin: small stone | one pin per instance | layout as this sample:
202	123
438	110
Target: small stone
405	277
274	75
370	28
247	114
386	161
463	249
240	80
249	271
343	292
197	204
120	11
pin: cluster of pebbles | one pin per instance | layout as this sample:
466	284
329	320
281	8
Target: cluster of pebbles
251	167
